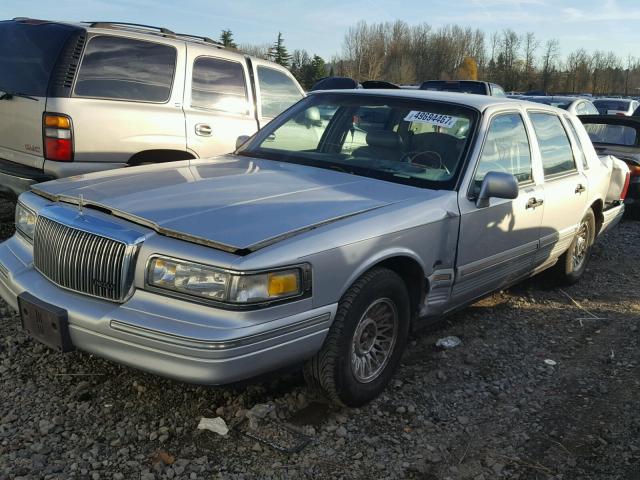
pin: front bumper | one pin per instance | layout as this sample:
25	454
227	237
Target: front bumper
169	337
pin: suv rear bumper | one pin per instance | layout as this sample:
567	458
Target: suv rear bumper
16	178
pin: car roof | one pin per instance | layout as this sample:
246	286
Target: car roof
479	102
609	99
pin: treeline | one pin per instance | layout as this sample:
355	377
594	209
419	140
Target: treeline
409	54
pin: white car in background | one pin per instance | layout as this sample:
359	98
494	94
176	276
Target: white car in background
616	106
575	105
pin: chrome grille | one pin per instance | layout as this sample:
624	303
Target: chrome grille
81	261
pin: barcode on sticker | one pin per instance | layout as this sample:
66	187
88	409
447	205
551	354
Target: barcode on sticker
431	118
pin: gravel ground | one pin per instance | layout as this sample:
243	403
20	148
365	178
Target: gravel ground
489	408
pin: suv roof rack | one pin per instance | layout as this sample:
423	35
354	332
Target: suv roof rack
199	38
165	32
102	24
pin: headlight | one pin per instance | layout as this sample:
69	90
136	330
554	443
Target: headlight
25	220
224	286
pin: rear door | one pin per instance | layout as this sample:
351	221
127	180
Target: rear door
498	243
28	53
218	102
565	186
276	90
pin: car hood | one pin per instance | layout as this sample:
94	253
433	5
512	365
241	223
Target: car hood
232	203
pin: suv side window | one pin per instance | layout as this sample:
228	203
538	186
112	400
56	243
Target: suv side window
497	90
506	149
126	69
555	148
277	91
219	85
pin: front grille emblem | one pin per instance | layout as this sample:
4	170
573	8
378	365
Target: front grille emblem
81	205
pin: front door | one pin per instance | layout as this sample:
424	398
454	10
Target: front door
498	243
218	102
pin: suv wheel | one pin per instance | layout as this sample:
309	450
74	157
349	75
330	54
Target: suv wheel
572	264
365	342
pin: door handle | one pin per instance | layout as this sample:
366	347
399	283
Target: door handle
580	188
534	202
203	130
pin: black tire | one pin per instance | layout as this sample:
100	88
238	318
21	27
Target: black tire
330	370
566	271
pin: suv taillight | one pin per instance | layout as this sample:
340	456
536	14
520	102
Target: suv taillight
58	137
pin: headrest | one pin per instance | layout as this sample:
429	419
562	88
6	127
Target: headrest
383	138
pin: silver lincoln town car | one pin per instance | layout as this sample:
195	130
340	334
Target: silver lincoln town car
322	240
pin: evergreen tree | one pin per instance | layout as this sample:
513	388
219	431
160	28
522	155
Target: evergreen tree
279	52
226	38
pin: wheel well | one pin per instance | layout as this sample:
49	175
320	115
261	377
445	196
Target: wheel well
597	212
158	156
413	276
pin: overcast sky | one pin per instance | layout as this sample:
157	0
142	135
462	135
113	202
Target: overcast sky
319	26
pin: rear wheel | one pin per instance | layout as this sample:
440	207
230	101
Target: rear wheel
573	262
366	340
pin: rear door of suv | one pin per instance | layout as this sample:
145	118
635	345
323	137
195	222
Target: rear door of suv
218	100
29	50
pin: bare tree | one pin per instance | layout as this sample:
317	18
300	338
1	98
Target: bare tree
549	59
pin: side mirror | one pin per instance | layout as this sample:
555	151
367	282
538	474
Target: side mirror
241	140
497	185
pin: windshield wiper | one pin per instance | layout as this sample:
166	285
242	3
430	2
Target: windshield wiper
9	95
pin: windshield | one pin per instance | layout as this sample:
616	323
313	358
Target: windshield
401	140
605	105
28	52
564	104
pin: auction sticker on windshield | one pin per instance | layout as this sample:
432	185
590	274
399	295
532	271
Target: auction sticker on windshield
437	119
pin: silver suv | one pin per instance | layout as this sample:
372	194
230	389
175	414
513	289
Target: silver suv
83	97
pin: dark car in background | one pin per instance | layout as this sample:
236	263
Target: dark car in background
619	136
616	106
464	86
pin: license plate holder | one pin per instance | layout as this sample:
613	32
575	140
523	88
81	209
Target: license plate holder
45	323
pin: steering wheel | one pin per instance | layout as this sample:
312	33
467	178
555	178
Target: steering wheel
425	159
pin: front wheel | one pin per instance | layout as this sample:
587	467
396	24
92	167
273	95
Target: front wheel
365	342
573	262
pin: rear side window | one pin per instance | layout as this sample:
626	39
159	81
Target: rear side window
555	148
126	69
574	133
219	85
506	149
277	90
28	53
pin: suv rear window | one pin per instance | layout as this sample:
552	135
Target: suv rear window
126	69
28	53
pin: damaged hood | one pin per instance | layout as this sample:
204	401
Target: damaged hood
232	203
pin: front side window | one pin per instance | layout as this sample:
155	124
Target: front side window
555	148
277	91
400	140
506	149
126	69
219	85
